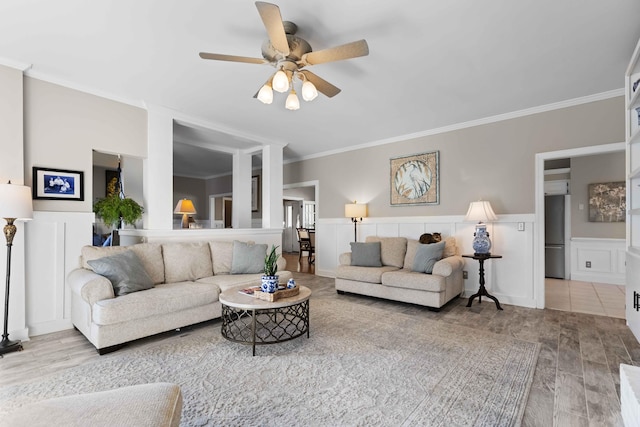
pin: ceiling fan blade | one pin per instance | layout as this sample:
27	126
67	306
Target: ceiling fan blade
322	85
270	14
232	58
338	53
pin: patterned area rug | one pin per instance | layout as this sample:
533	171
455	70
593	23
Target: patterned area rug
361	366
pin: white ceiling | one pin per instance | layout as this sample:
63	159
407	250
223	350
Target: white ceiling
431	64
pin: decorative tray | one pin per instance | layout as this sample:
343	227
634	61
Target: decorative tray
283	293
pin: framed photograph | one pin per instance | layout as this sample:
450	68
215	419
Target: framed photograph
57	184
607	202
255	193
415	179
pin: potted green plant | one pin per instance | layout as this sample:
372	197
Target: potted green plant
269	277
115	212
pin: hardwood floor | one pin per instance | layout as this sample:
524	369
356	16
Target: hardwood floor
299	264
576	381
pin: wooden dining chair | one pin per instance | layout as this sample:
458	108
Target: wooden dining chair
304	240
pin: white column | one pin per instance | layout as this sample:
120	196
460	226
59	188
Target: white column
12	168
272	164
158	171
241	208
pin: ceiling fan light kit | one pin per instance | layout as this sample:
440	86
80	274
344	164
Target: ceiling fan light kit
280	82
293	103
289	54
266	94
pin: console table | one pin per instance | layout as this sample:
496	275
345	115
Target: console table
482	291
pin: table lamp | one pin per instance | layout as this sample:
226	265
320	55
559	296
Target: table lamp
482	212
186	208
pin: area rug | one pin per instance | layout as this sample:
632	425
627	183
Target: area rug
362	365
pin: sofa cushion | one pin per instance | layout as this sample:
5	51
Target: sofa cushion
426	257
363	274
186	261
408	279
150	255
248	258
392	249
450	249
162	299
221	254
366	254
125	272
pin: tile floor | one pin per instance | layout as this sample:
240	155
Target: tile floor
585	297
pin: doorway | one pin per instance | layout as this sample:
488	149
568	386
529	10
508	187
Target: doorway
292	220
539	238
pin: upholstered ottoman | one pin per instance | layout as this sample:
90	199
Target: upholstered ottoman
152	405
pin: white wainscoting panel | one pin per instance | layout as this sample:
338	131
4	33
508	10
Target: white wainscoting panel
54	242
510	279
607	258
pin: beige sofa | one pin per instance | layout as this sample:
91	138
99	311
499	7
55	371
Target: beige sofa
187	279
395	279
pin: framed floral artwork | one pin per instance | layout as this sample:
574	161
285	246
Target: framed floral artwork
57	184
415	179
607	202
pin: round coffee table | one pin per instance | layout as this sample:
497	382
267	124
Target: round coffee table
252	321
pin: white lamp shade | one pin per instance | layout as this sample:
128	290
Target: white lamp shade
15	202
309	91
480	211
265	95
280	82
355	210
293	103
185	206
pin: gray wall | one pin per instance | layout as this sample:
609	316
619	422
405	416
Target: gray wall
306	193
494	162
63	126
590	170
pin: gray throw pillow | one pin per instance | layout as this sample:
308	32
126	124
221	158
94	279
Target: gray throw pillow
124	271
366	254
426	257
248	258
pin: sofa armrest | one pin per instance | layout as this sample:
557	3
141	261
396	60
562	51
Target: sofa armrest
281	263
345	258
90	286
446	266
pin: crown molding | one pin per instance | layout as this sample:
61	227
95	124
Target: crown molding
472	123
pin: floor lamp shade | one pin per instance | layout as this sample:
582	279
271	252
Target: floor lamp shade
356	212
15	205
15	202
186	208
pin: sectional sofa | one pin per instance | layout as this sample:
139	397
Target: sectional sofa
182	284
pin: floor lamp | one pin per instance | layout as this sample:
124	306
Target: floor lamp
15	205
356	212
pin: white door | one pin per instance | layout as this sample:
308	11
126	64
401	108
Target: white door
291	222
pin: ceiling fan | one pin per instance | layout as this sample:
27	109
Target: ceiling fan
290	54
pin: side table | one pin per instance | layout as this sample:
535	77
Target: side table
482	291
